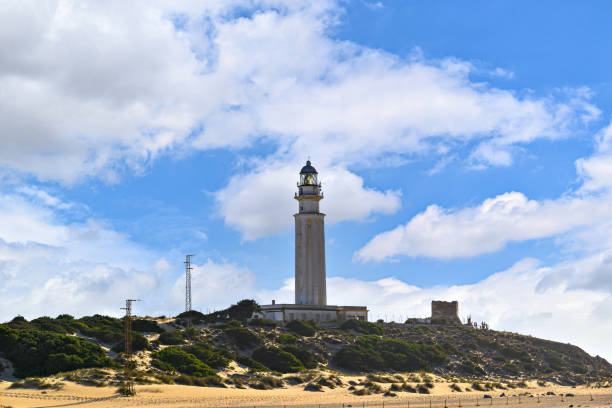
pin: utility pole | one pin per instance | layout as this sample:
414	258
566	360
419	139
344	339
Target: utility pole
128	347
188	270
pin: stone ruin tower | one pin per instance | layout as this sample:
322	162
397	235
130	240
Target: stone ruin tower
448	311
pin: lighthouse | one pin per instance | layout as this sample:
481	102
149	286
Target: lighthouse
310	285
310	276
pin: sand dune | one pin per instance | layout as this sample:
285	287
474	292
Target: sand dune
176	396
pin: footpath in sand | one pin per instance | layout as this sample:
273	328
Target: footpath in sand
175	396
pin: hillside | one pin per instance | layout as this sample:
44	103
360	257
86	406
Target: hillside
221	351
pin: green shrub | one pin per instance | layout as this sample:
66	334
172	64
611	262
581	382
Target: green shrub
306	357
37	353
372	353
106	329
471	368
356	358
362	326
278	360
512	368
512	352
422	389
409	388
227	324
478	386
251	363
530	367
578	368
38	383
241	311
209	381
183	362
171	338
139	342
146	326
302	327
259	322
209	355
285	338
242	336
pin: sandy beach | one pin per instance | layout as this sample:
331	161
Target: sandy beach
176	396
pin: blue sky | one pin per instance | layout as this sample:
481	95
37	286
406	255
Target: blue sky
464	152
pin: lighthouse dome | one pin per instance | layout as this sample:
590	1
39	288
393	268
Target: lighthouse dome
308	169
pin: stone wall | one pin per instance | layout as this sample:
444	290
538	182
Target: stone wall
448	311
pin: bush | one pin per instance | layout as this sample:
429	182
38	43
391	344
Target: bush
285	338
209	381
146	326
306	357
259	322
243	337
241	311
191	315
106	329
37	353
139	342
251	363
373	353
278	360
512	368
302	327
477	386
471	368
515	353
422	389
209	355
362	326
313	387
183	362
171	338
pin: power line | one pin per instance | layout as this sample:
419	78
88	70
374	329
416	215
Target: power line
188	270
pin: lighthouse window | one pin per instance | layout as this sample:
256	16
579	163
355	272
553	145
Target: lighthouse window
308	179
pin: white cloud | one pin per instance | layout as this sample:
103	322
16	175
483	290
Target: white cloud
485	228
92	90
49	267
213	285
596	170
261	202
488	227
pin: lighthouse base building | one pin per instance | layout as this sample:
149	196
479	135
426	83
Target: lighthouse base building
286	312
310	275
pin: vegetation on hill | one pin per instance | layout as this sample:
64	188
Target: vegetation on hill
278	360
40	353
176	358
241	311
361	326
193	355
306	328
106	330
375	353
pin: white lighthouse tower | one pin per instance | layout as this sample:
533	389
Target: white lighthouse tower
310	287
309	241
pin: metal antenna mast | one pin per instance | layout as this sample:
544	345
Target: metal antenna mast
128	347
188	270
